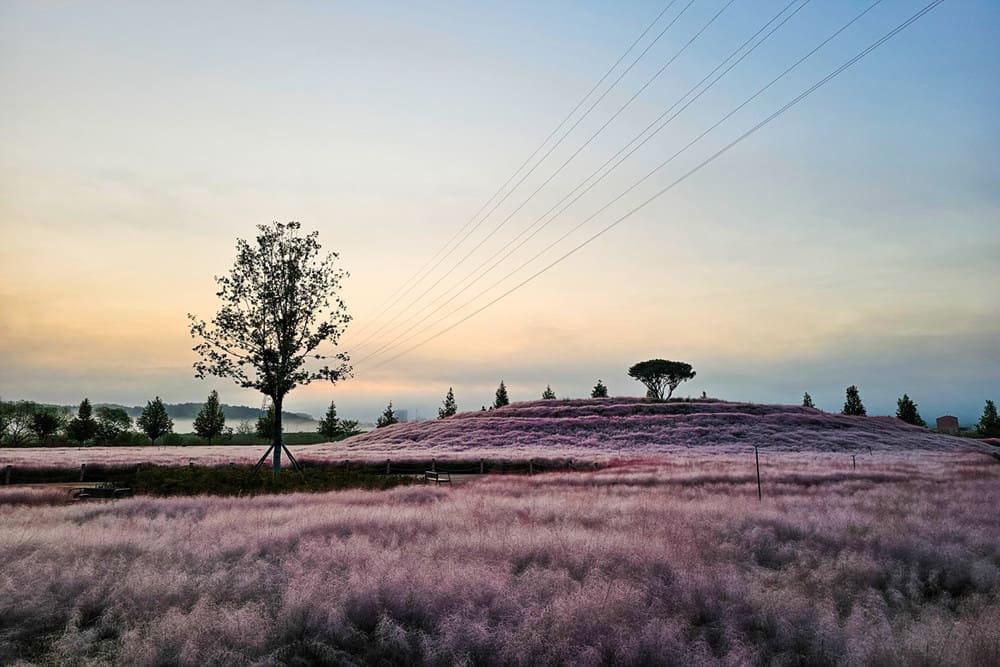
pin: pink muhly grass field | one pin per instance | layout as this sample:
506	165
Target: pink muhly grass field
896	562
582	429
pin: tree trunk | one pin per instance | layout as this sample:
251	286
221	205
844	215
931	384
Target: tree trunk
277	434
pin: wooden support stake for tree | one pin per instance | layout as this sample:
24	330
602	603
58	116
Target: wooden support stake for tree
263	458
756	456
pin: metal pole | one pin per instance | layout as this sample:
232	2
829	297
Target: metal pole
756	456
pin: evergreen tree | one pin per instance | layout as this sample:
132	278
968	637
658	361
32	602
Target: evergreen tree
989	423
333	427
599	390
548	394
853	405
211	420
450	407
83	427
501	398
807	400
388	417
154	420
906	410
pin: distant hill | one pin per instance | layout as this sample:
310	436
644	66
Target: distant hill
190	411
633	427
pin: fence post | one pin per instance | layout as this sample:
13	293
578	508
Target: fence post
531	467
83	470
433	465
854	462
387	464
480	466
6	475
756	457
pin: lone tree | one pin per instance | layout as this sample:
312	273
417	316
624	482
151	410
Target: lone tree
548	394
989	423
211	420
83	427
332	426
807	400
853	405
501	397
599	390
387	418
906	410
279	304
113	424
450	407
660	374
154	420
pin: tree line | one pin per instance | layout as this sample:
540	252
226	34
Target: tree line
27	422
907	411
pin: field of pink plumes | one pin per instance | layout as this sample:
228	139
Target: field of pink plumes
896	562
588	429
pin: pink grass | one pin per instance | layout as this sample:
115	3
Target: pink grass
895	563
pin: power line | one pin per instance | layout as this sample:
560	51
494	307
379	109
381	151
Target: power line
511	249
927	8
566	162
421	272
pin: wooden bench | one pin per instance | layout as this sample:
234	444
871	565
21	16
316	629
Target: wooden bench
99	492
437	477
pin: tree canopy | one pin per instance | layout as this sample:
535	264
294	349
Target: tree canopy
659	375
852	404
211	420
599	390
387	418
113	424
83	427
989	423
807	401
548	394
280	303
154	420
333	426
501	396
906	410
449	408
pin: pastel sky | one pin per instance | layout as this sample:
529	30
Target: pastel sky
854	240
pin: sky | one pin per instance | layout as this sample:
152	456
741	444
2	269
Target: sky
853	240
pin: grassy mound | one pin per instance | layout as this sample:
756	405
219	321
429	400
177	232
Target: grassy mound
637	427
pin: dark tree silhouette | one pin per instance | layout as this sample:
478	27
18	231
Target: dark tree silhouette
807	400
660	374
387	418
83	427
852	404
548	394
45	422
333	426
279	304
599	390
449	407
154	420
113	424
989	423
501	397
906	410
211	420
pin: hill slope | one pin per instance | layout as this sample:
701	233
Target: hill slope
637	427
